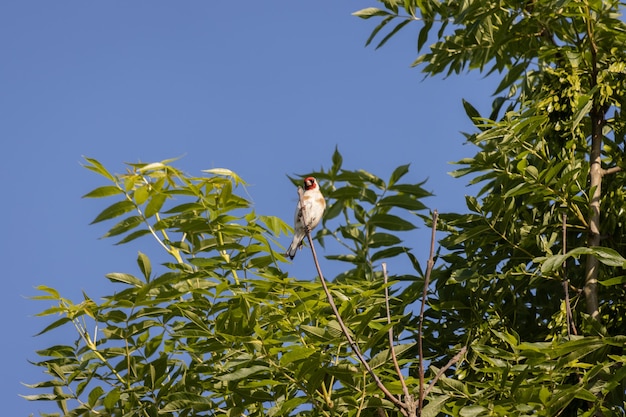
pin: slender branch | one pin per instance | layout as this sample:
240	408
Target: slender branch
390	332
451	362
342	325
429	268
568	308
611	170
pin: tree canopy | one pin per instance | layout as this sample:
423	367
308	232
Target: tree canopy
522	314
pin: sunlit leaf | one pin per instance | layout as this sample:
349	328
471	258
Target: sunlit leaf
124	278
114	210
104	191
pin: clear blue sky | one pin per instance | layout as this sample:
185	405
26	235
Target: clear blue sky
266	89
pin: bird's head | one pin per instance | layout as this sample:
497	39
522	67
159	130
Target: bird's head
310	183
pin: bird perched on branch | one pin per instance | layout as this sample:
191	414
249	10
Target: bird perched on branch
314	205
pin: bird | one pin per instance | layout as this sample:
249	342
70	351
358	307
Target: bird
314	205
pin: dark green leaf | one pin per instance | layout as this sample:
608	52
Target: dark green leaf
243	373
134	235
378	28
413	189
54	325
398	173
124	226
388	253
337	160
403	201
379	239
144	264
393	32
391	222
471	111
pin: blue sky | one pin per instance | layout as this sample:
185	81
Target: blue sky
267	89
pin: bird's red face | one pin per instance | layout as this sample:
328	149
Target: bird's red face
310	183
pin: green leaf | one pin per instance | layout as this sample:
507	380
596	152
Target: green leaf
317	332
472	411
99	168
393	32
125	278
370	12
620	280
187	208
243	373
114	210
124	226
388	253
337	160
296	353
377	29
111	399
390	222
132	236
95	395
54	325
106	191
412	189
403	201
422	37
434	406
155	204
471	111
144	264
141	194
398	173
585	103
379	239
511	76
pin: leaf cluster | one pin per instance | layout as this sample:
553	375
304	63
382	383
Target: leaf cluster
220	328
517	263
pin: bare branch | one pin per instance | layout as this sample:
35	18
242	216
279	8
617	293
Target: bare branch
390	332
429	268
571	327
355	348
451	362
611	170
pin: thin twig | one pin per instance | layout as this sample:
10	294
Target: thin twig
451	362
420	336
390	332
569	318
344	329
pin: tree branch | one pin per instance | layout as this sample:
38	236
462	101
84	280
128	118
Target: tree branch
355	348
596	115
569	318
429	268
390	332
451	362
611	170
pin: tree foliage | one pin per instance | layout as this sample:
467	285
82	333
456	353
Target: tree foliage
526	307
221	328
550	211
